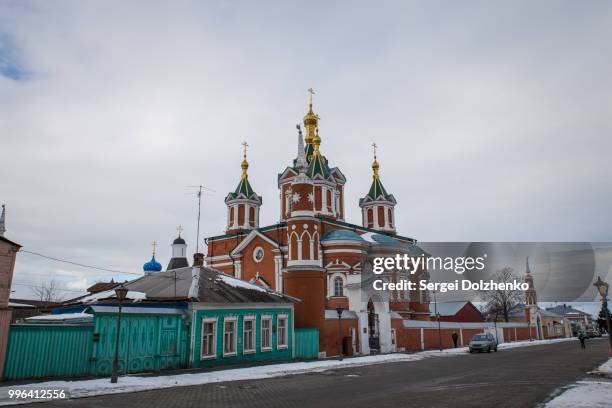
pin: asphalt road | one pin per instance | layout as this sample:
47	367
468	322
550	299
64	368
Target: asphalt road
520	377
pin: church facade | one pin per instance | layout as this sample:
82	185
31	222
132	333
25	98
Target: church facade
315	255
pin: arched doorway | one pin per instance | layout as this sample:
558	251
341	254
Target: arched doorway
373	328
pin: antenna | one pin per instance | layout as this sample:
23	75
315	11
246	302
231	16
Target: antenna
199	194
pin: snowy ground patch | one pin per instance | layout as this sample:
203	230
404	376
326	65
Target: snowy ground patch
588	393
133	383
604	370
584	394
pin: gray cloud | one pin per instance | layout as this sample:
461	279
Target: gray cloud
493	119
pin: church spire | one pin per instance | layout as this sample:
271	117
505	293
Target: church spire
375	165
311	123
244	187
378	205
3	221
527	270
377	189
245	163
301	164
243	204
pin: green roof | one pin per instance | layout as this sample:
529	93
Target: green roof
309	149
244	188
377	190
318	166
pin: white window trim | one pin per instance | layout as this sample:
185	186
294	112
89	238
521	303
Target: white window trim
286	339
235	320
331	285
254	333
265	317
213	320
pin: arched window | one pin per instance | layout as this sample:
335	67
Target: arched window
306	246
294	246
390	218
231	217
241	210
328	200
381	216
338	286
370	219
252	216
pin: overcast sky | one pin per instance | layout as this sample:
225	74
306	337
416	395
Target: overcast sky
494	120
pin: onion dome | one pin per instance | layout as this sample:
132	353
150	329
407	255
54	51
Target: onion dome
152	265
318	163
179	241
377	190
244	188
311	122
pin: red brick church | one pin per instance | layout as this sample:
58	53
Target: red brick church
314	254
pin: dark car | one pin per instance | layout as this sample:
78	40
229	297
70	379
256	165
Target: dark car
483	342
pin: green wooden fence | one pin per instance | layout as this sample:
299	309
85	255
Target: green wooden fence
146	343
307	343
46	350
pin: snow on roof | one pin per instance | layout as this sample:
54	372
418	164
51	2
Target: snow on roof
14	304
65	317
134	296
237	283
368	237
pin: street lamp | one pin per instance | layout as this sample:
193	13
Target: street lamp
603	287
339	310
121	292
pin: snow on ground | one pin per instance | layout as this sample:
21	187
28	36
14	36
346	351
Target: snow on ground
584	394
604	370
133	383
587	394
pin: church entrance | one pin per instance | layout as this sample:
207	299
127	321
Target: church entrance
373	328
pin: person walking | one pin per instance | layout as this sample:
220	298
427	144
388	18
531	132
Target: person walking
582	338
455	338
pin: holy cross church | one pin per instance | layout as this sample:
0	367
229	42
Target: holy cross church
313	254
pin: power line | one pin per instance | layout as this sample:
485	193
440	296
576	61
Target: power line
38	286
79	264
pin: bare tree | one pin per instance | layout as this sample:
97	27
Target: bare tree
48	291
502	302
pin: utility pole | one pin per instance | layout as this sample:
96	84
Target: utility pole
201	189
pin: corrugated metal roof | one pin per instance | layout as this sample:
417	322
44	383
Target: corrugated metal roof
214	287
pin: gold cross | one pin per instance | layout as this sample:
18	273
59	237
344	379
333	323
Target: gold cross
374	146
179	229
245	144
311	92
154	246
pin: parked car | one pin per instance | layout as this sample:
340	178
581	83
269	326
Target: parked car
591	333
483	342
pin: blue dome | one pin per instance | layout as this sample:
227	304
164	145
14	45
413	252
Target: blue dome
152	266
384	239
341	235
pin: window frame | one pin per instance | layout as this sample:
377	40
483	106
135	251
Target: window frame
214	321
249	318
234	320
285	317
334	280
261	332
